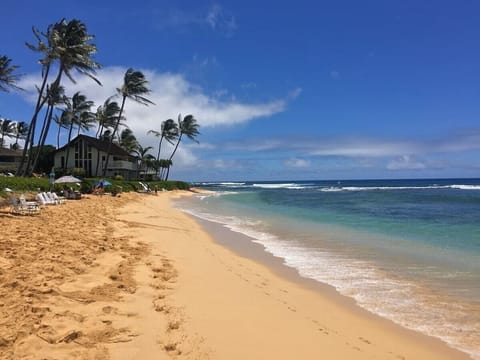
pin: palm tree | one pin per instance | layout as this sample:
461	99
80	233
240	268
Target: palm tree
86	121
143	156
67	43
187	126
56	96
106	115
7	128
76	109
62	123
128	141
169	132
164	164
134	87
21	131
8	79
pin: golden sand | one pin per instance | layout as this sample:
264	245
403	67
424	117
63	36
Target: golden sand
132	278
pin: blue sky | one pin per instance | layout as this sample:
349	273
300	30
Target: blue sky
284	90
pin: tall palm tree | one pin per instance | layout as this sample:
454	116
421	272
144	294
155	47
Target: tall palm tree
56	96
187	126
67	43
106	115
8	79
63	123
134	87
169	132
76	109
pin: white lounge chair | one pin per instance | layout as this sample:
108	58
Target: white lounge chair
54	197
44	200
24	209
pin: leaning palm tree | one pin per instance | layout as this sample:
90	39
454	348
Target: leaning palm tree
8	79
62	123
134	87
76	109
169	132
106	115
68	44
187	126
56	96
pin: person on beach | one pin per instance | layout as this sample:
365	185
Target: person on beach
155	188
99	187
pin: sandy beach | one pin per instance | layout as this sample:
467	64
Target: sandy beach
131	277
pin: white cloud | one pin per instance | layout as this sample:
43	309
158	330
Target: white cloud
406	162
217	18
172	94
297	163
220	19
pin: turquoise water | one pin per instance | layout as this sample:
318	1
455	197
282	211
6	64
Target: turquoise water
408	250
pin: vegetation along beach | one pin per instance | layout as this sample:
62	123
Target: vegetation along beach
251	180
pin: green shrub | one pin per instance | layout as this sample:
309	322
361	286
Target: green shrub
78	172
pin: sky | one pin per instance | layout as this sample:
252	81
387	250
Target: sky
300	90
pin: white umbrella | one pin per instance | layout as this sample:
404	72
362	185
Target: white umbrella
67	180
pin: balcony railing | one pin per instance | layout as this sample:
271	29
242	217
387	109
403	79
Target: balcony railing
123	164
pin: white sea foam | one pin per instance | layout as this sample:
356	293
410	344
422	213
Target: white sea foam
370	188
291	186
466	187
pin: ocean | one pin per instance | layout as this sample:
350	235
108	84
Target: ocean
407	250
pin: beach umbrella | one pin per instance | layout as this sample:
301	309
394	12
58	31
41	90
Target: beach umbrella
105	183
68	179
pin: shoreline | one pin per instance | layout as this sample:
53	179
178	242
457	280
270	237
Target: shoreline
133	277
245	247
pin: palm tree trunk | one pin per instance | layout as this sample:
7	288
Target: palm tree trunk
43	136
168	173
99	133
158	155
55	85
68	148
113	136
176	146
58	135
31	128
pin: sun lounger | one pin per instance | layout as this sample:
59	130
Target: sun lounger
145	187
52	196
44	200
28	208
59	199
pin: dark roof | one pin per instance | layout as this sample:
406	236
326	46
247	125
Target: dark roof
98	144
10	152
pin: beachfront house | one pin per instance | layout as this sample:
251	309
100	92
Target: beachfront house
9	159
85	151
